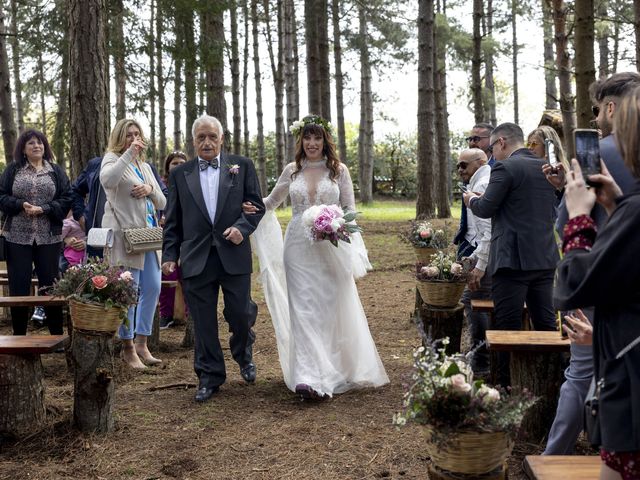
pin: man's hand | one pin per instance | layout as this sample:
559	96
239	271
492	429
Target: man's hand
168	267
249	208
32	210
608	190
475	276
579	330
233	235
142	190
554	175
467	196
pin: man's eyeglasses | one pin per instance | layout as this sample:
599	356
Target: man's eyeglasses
476	138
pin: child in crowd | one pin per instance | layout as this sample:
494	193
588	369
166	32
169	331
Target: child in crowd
74	240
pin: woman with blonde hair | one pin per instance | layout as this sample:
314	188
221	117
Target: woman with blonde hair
133	196
603	269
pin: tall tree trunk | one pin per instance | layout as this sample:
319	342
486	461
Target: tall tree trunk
161	82
118	53
277	72
603	39
636	27
62	114
6	110
177	89
616	38
339	78
365	134
190	69
426	107
43	87
262	161
323	53
563	62
17	80
516	100
291	73
152	83
245	81
551	90
312	39
442	125
489	100
584	63
212	54
476	60
88	82
235	77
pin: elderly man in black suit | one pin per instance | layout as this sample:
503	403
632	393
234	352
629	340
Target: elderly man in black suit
523	253
207	231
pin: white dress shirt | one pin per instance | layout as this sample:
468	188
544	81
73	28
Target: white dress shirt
209	182
479	229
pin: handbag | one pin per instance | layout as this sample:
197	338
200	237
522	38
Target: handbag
592	402
145	239
100	237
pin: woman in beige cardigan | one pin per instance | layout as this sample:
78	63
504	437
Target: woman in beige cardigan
133	196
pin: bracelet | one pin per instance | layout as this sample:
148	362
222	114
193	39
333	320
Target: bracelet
579	233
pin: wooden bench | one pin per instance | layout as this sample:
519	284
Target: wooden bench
565	467
21	387
31	301
536	363
486	306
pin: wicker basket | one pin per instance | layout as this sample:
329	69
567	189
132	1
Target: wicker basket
423	254
94	317
470	452
440	293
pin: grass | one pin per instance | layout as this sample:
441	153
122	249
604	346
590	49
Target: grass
382	210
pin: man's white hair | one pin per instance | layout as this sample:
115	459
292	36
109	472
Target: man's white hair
205	118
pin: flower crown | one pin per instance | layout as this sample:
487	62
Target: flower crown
297	126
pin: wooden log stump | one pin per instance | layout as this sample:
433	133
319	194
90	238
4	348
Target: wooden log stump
436	473
188	340
94	386
21	394
441	322
153	340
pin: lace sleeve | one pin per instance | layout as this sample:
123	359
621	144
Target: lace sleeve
281	190
347	198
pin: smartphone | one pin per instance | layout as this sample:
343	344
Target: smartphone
563	321
587	144
550	153
463	187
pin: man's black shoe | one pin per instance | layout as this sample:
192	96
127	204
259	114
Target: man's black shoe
205	393
249	373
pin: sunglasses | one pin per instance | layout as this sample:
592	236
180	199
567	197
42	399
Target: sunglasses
490	148
476	138
595	109
464	165
532	144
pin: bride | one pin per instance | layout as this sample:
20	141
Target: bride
324	343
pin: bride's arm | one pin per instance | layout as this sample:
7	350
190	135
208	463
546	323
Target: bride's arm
347	198
281	190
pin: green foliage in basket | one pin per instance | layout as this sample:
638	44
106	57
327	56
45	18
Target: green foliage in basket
421	234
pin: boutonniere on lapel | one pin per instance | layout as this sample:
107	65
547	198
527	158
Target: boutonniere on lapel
234	169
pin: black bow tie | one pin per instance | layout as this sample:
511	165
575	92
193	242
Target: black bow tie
204	164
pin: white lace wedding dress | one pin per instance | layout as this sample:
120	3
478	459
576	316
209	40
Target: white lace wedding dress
321	329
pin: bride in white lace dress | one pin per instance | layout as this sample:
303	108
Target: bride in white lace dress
323	337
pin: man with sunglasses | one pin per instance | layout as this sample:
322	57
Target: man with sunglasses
479	138
523	253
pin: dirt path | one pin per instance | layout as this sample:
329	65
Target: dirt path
245	432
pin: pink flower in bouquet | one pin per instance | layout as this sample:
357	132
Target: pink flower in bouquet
459	383
323	222
99	281
488	394
430	271
127	276
456	269
425	233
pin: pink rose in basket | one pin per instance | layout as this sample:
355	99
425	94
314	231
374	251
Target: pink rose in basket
459	383
456	269
425	233
99	281
127	276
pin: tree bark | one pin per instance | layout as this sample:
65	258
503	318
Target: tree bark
190	68
22	400
339	79
235	78
212	55
312	39
476	61
616	38
603	39
6	110
514	57
636	27
245	81
441	322
161	82
584	61
152	83
442	126
118	54
323	55
365	134
551	90
177	89
17	80
62	114
262	161
426	105
94	387
41	83
489	100
88	81
563	63
291	73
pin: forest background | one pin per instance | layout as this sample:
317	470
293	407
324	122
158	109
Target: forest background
381	71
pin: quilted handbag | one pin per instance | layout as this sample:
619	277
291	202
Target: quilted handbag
146	239
100	237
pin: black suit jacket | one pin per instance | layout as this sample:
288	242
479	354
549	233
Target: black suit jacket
188	231
521	204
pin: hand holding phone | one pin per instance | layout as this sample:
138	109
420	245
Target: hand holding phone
587	145
463	187
550	155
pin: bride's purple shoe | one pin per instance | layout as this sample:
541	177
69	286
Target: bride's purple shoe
308	393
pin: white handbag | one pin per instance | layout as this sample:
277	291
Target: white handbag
100	237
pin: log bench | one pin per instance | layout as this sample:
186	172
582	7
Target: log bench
536	363
21	387
31	301
565	467
486	306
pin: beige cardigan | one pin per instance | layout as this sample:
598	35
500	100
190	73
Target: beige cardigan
118	178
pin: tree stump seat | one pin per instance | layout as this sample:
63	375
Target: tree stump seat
566	467
441	322
537	361
21	387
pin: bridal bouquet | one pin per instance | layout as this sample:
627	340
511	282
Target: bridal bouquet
329	222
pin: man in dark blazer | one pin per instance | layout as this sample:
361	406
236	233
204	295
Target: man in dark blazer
523	253
208	233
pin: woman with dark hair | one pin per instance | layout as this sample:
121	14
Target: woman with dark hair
35	198
602	268
323	337
167	293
